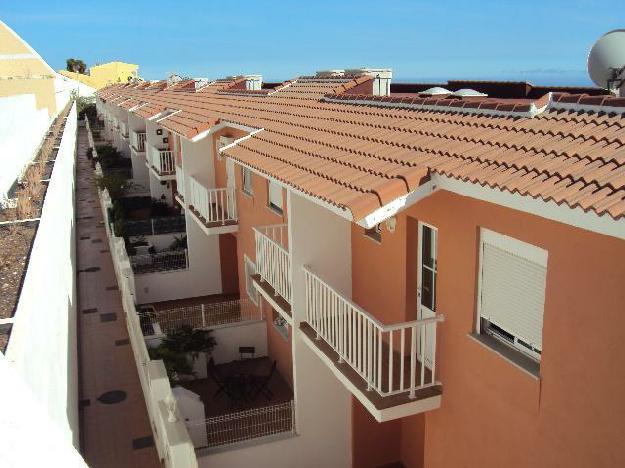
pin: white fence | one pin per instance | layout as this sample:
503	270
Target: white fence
162	161
138	141
161	261
200	315
392	359
215	205
273	262
241	426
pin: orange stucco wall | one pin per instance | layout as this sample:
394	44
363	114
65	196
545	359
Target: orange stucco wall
493	413
254	211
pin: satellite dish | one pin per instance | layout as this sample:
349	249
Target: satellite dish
606	60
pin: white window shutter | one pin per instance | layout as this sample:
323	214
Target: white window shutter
513	288
275	194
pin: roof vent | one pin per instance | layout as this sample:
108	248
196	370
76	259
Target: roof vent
330	73
252	82
468	93
435	91
381	78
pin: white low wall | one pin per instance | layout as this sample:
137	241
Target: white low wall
28	437
171	438
42	348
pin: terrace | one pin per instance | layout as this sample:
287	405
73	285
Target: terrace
237	395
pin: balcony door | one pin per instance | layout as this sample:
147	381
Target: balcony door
426	287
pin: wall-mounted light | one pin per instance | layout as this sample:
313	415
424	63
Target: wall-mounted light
391	224
159	131
165	140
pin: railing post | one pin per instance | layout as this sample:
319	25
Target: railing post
152	224
203	317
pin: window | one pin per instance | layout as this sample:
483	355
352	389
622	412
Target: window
250	269
374	233
247	181
511	294
275	196
428	267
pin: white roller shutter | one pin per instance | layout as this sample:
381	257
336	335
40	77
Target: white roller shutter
275	195
512	289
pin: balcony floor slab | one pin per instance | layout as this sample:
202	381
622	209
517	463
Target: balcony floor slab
382	408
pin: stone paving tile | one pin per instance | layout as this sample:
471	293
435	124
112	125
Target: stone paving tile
108	432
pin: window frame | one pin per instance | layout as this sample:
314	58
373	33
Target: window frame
525	251
248	266
246	176
374	233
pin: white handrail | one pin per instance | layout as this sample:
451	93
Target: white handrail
215	205
392	359
273	262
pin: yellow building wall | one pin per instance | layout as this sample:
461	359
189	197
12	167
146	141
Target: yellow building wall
26	73
105	74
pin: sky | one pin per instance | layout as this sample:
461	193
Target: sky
545	42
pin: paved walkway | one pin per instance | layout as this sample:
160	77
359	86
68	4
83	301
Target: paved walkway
113	435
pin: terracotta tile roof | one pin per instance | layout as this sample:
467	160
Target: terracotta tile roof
130	103
360	157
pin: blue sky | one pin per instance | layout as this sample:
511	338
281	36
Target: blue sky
543	41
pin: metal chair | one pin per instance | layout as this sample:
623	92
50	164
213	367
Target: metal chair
261	384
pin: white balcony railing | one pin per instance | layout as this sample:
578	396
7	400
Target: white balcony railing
138	141
162	161
180	186
273	262
392	359
214	205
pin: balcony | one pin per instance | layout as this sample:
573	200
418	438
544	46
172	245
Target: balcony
137	141
390	369
161	161
273	267
215	209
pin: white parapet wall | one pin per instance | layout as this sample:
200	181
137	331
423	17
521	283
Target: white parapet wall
29	437
173	443
42	348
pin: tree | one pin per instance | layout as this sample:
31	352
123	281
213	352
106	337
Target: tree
76	66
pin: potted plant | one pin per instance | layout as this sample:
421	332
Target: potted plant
181	348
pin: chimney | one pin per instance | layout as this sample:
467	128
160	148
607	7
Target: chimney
252	82
381	79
